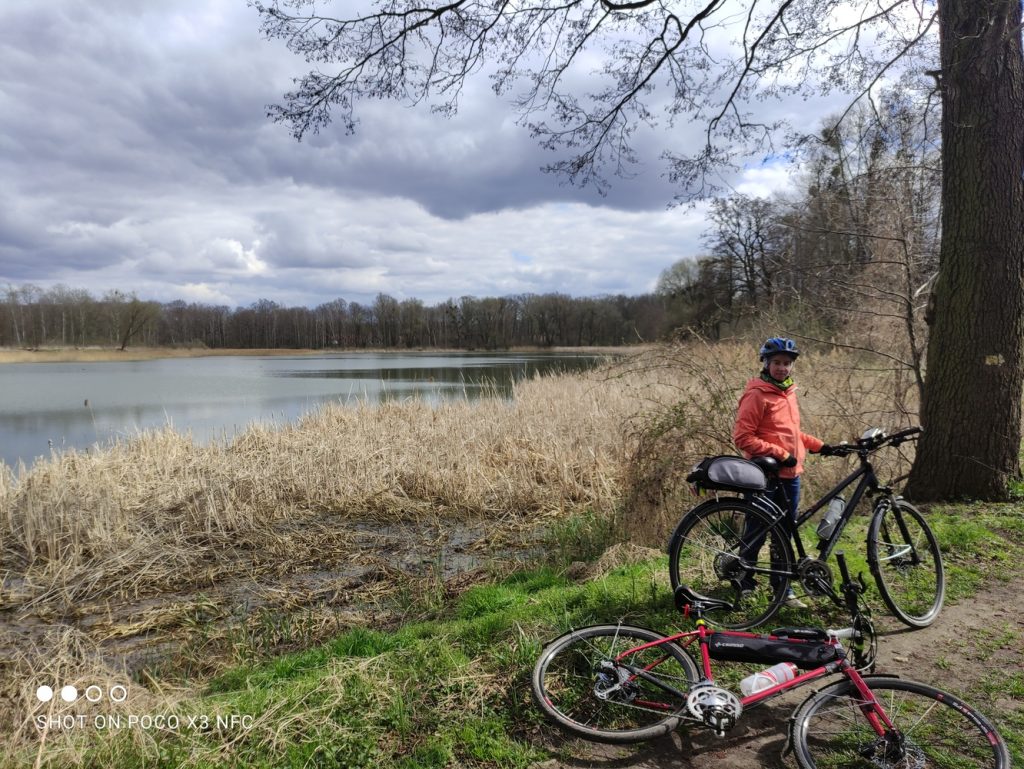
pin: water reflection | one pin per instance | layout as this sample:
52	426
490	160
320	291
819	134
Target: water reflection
500	374
48	407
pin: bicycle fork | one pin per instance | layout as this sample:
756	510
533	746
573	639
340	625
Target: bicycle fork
889	740
906	545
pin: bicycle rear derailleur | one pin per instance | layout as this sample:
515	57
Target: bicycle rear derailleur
717	708
614	683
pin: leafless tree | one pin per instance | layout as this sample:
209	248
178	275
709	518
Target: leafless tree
669	60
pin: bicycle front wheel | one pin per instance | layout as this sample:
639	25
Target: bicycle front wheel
905	559
581	684
733	551
931	729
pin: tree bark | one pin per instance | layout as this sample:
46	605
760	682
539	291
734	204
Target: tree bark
971	410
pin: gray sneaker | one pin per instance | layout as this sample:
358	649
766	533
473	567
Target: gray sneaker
793	602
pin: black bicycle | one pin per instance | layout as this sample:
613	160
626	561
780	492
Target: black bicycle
740	548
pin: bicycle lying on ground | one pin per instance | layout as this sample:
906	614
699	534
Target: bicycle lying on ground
620	684
718	547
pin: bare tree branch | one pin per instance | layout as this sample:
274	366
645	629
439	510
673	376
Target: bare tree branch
418	50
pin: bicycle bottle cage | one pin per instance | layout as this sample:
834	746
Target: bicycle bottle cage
728	473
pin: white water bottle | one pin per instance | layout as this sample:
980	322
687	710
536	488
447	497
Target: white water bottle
831	517
765	679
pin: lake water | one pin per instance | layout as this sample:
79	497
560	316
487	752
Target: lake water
51	406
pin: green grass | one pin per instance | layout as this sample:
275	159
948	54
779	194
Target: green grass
580	537
453	690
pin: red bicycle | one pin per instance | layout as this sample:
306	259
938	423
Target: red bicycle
619	684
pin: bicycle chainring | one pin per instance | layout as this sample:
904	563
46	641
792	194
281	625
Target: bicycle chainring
718	708
815	576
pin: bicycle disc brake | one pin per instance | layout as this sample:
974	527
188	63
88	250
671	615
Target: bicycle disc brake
717	708
815	576
894	750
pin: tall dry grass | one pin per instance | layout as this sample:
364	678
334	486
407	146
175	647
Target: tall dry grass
841	395
151	537
152	513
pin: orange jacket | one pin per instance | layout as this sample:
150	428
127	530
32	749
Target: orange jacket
768	424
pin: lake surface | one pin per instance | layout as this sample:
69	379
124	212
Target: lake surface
51	406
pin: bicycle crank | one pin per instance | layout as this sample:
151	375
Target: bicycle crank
815	576
717	708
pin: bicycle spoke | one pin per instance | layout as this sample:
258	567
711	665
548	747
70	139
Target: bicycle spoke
731	551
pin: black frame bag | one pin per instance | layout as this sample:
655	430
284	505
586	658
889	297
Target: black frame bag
761	648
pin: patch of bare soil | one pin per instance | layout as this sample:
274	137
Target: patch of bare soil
971	645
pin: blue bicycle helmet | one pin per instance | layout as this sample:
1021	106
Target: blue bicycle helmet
778	344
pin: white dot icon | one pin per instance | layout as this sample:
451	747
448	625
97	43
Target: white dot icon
94	693
118	693
44	694
69	693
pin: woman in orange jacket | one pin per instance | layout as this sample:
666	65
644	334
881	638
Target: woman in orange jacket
768	424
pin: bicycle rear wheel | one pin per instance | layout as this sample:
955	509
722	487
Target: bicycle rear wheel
731	550
580	685
932	729
905	559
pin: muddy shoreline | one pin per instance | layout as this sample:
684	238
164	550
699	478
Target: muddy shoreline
289	600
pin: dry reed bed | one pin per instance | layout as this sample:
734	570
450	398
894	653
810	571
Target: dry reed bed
87	536
155	511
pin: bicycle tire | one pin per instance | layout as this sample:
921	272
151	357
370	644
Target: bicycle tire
914	592
571	688
932	729
704	554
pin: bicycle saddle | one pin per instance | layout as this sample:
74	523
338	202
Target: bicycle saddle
686	596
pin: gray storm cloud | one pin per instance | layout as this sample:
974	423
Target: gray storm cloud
137	155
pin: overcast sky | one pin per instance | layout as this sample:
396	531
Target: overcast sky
136	154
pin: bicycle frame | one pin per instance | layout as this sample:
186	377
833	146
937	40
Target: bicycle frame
868	483
871	708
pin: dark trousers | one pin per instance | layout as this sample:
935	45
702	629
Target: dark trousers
787	497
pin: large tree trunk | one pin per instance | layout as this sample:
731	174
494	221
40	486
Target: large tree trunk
971	409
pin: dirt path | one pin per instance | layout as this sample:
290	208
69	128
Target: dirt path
973	642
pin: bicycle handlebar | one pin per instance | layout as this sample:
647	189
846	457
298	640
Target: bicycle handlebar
867	445
898	438
842	634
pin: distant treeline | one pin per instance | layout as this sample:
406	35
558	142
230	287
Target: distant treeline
64	317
